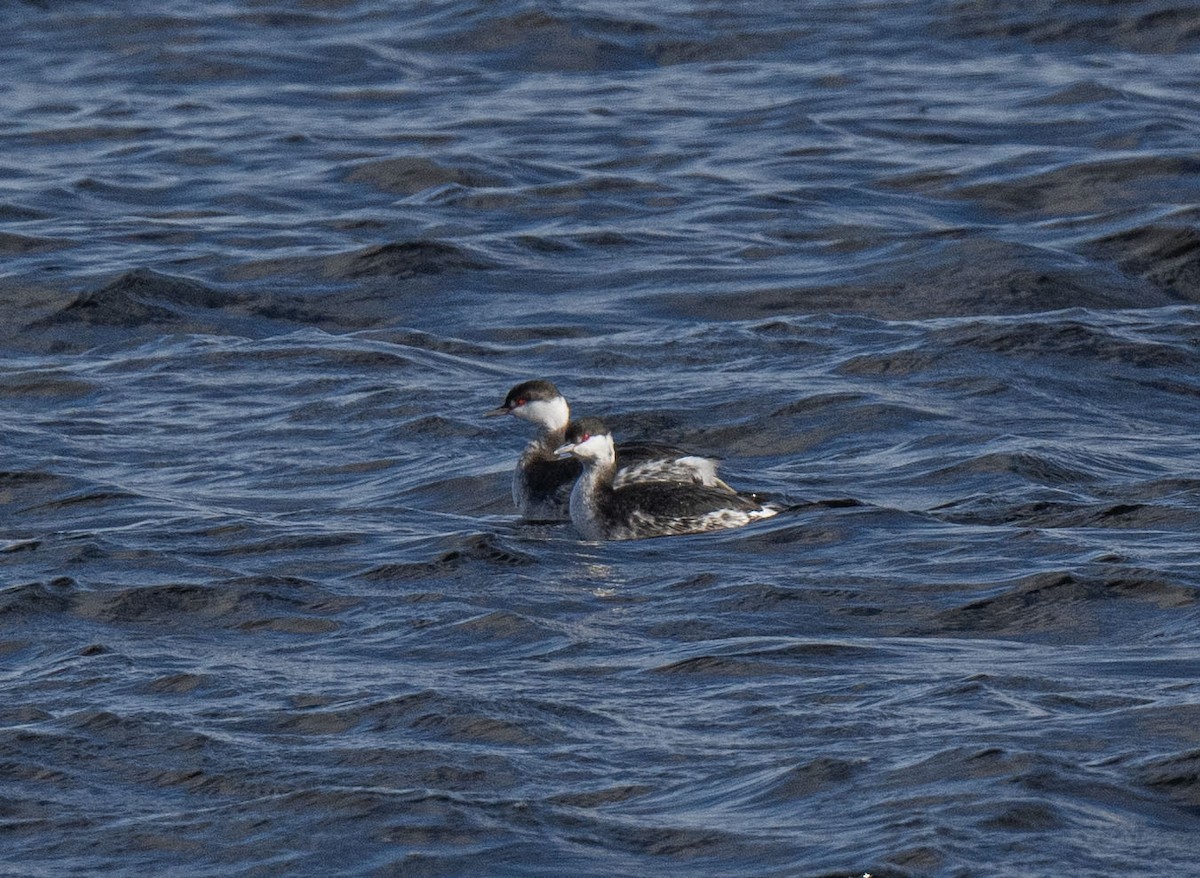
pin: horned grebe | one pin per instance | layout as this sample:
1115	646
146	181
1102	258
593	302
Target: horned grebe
601	510
542	481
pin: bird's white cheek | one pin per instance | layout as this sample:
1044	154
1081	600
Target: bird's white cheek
595	448
551	413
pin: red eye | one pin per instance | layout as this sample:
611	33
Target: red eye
585	437
519	403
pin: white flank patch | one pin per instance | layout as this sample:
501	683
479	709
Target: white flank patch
725	518
705	467
701	470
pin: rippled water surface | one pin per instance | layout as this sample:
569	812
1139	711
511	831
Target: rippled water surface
929	273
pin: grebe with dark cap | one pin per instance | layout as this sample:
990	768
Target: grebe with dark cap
603	510
542	481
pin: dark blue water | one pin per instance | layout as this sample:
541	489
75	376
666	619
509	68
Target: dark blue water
930	272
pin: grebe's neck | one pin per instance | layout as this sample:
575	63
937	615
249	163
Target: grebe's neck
591	498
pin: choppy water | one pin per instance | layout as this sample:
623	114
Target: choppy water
928	271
